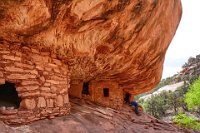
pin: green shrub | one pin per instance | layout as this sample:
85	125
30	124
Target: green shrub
185	121
193	96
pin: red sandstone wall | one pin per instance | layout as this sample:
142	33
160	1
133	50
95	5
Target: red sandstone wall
41	81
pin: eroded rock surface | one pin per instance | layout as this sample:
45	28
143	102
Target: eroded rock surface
121	40
87	117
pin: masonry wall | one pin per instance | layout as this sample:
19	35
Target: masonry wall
114	100
41	80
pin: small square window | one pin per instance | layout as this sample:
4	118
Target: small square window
106	92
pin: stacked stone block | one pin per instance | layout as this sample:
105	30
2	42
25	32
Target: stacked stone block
41	80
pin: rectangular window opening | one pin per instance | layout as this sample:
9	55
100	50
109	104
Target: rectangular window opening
127	98
106	92
85	88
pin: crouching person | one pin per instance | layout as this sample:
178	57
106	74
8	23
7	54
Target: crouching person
136	106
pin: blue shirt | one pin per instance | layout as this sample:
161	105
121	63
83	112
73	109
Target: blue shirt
134	103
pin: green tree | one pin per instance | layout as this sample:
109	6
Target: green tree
173	101
157	105
186	121
193	95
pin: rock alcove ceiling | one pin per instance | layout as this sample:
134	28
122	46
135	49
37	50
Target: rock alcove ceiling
119	40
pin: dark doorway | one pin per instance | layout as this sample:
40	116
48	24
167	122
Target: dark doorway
127	98
106	92
9	96
85	88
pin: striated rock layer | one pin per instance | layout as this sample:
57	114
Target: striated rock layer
120	40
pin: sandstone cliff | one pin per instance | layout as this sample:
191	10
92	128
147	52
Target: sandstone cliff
121	40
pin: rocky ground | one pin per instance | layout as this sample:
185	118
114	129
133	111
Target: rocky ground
87	117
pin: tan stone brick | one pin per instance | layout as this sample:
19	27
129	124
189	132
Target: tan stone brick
54	89
56	61
63	90
45	59
31	88
28	104
47	89
57	70
48	69
4	46
42	79
28	94
59	101
45	53
10	57
40	68
20	89
52	65
4	52
35	51
45	73
31	72
29	82
52	81
39	58
13	69
18	64
47	84
2	81
63	82
48	95
1	74
21	76
19	54
41	102
64	70
26	48
54	77
11	114
50	103
66	99
36	58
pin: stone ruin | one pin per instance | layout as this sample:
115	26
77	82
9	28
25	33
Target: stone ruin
39	83
103	92
37	86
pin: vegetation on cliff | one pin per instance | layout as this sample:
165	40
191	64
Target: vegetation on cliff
192	100
184	102
193	96
186	121
165	103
